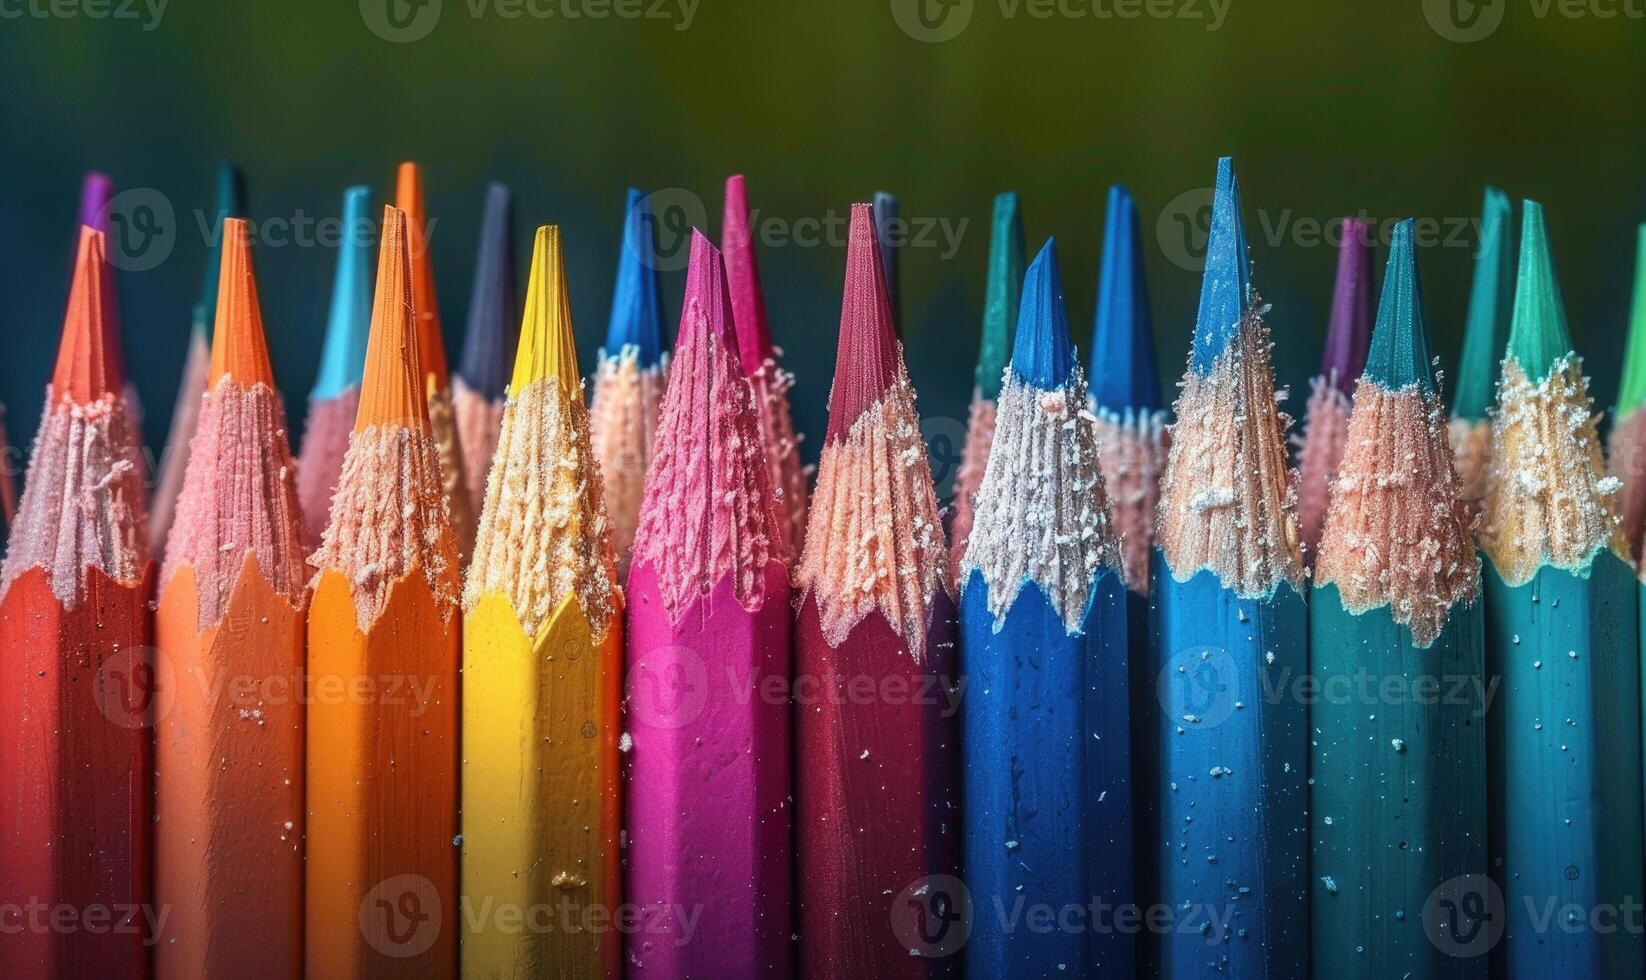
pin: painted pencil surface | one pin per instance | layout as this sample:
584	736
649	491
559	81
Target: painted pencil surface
543	651
488	342
1230	627
335	399
875	781
1485	336
185	415
766	376
381	793
887	235
1326	421
431	348
1046	729
229	756
1001	296
75	665
1626	447
1561	631
629	377
708	598
1398	798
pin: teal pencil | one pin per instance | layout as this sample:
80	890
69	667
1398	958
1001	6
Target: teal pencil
1485	334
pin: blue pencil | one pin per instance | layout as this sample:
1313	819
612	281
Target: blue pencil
1043	619
1232	824
887	235
489	339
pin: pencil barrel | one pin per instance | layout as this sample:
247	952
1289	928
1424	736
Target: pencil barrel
875	821
76	770
1398	798
1565	781
1231	837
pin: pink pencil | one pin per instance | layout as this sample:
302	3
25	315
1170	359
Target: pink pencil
709	637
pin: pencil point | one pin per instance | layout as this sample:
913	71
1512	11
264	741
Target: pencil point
1538	335
1225	287
431	345
754	332
886	235
1350	329
489	336
548	347
1043	356
707	296
1632	392
392	391
348	325
869	356
1491	305
231	200
637	306
1399	354
88	365
1002	295
95	191
1124	373
239	348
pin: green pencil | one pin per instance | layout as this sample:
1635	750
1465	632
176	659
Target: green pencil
1626	448
1485	333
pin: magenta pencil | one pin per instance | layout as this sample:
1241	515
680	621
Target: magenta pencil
708	606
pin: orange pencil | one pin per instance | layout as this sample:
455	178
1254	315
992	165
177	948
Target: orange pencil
75	753
431	348
384	632
229	629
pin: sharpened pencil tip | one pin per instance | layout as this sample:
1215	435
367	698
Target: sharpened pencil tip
231	199
1632	392
431	344
754	332
1538	335
87	366
1043	356
348	324
490	333
548	347
637	305
1399	354
1124	372
1350	329
869	357
1491	305
1225	287
706	305
95	191
239	348
392	391
887	234
1002	295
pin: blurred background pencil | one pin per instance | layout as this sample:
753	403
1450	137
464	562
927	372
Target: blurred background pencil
381	794
77	684
1626	447
708	791
1231	628
229	744
1485	335
543	654
489	340
1561	631
629	377
888	236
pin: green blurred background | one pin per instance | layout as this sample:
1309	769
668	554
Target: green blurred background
1329	108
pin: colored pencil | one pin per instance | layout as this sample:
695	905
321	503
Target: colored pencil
431	348
1626	446
1398	798
380	890
488	342
1331	392
1125	390
770	382
542	685
174	459
1046	731
875	776
708	599
75	802
888	235
1561	631
1231	834
630	374
229	746
1001	298
335	399
96	193
1485	336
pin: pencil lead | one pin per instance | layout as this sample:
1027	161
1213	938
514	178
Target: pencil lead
548	347
231	200
1491	304
637	307
1225	287
707	294
886	235
1042	356
869	356
1537	335
95	191
1002	295
392	390
1350	329
1632	392
348	325
754	332
88	362
431	345
239	348
1399	354
489	336
1123	358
